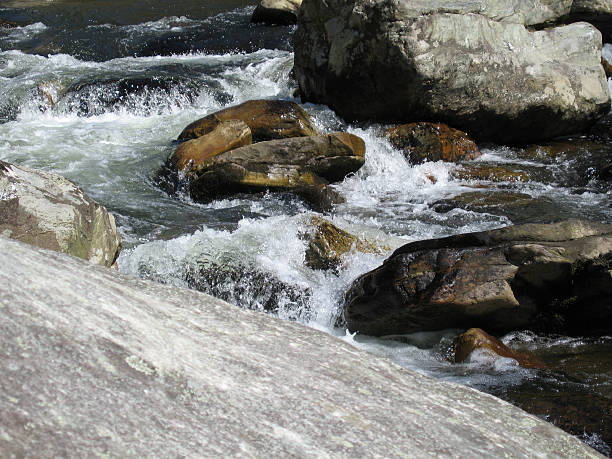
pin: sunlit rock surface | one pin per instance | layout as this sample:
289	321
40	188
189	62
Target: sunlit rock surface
49	211
474	65
96	363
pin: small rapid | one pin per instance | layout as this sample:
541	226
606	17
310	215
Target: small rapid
102	105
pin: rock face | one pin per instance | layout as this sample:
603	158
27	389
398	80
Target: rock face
267	119
422	142
475	338
597	12
554	277
96	363
283	164
281	12
473	65
49	211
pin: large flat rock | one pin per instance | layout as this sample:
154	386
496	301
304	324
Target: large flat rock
96	363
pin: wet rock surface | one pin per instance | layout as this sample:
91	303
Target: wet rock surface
208	372
422	142
49	211
273	12
553	278
483	73
267	119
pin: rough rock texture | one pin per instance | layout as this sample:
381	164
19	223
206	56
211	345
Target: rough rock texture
227	135
283	164
554	277
475	338
597	12
49	211
98	364
281	12
422	142
267	119
327	243
489	172
484	72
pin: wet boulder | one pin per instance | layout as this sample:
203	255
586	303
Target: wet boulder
327	243
422	142
474	65
545	277
267	119
49	211
193	154
476	338
278	165
277	12
489	172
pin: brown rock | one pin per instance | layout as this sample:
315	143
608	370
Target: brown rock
277	12
492	173
283	164
476	338
607	67
328	243
226	135
267	119
422	142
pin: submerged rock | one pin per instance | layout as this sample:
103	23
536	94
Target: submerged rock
49	211
209	376
475	338
327	243
281	165
277	12
473	65
422	142
553	277
489	172
267	119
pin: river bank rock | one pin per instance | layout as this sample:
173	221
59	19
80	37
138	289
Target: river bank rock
476	338
203	371
277	12
327	243
267	119
279	165
422	142
462	63
545	277
49	211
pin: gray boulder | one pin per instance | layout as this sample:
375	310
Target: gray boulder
549	277
471	64
95	363
277	12
49	211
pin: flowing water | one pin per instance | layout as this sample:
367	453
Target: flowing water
98	91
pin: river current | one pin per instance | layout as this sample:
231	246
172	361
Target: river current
99	91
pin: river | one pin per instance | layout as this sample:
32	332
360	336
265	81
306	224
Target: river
99	91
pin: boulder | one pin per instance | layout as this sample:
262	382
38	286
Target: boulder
489	172
267	119
422	142
545	277
49	211
327	243
193	154
476	338
277	12
607	67
283	164
6	24
95	363
462	63
597	12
